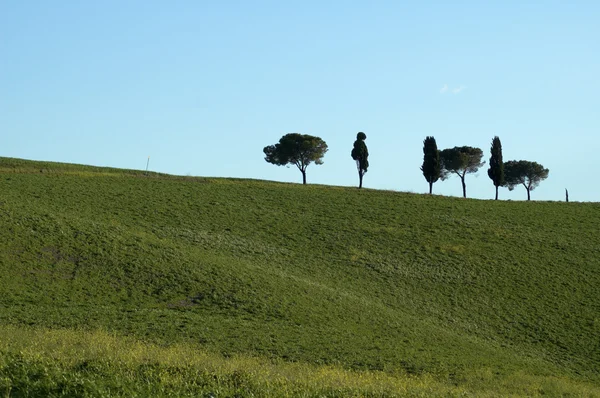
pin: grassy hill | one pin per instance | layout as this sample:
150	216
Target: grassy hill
119	283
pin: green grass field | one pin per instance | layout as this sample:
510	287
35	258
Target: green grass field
113	282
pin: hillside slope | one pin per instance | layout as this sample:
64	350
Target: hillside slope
361	279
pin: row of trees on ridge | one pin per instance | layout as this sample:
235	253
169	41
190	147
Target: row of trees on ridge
302	149
466	160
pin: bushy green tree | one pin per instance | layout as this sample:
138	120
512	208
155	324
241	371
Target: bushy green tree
297	149
360	154
526	173
431	162
460	161
496	170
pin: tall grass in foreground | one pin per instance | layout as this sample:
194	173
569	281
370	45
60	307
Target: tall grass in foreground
40	362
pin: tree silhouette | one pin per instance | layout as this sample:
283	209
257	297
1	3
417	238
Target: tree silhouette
496	170
360	154
460	161
529	174
297	149
431	162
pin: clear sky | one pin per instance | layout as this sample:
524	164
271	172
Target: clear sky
203	86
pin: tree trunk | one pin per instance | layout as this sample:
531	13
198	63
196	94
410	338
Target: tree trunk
360	177
528	194
462	179
303	176
496	192
430	187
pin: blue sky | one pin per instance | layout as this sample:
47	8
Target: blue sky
202	87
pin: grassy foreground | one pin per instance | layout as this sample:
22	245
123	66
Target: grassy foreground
65	362
117	283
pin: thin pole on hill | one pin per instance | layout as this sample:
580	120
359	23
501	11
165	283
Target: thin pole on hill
147	164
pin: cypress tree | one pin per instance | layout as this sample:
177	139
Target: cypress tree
360	154
431	162
496	170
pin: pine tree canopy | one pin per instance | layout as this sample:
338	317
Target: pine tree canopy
460	160
523	172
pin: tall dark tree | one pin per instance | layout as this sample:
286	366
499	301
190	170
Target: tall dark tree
526	173
297	149
431	162
496	170
360	154
460	161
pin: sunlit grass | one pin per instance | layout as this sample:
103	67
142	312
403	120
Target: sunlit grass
38	361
